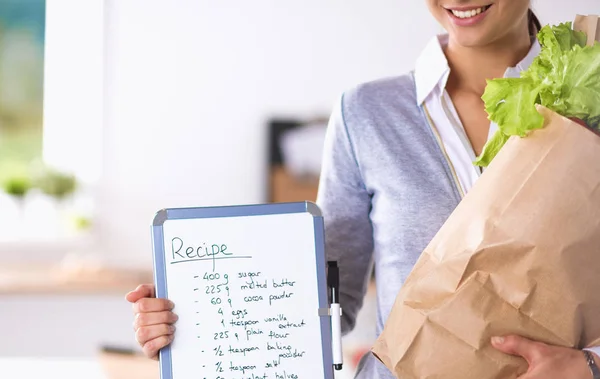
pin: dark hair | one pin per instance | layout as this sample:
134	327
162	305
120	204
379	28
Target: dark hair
534	23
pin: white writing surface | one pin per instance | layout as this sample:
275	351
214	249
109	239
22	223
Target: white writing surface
245	291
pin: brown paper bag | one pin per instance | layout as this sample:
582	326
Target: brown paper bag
589	25
520	255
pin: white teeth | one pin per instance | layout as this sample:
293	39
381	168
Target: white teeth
468	14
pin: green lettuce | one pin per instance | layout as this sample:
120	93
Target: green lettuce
564	77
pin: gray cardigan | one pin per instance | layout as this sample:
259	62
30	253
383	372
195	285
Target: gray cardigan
386	189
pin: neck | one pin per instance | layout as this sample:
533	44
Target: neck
471	66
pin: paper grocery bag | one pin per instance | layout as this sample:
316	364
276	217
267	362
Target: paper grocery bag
589	25
519	255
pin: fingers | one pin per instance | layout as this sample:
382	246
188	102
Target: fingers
154	337
153	318
146	305
153	330
148	333
519	346
142	291
152	347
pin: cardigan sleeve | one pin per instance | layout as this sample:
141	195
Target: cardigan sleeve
346	204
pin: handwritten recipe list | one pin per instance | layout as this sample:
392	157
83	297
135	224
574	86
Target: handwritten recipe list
247	310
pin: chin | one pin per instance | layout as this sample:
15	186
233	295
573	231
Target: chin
471	38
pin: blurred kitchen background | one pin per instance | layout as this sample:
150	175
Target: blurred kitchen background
113	109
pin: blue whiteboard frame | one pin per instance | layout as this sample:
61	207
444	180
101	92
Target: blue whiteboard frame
160	279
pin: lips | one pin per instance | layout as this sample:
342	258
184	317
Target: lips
467	12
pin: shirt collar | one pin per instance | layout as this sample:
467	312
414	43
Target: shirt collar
432	67
515	72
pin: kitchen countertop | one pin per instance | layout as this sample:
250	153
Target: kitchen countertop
43	368
105	366
22	279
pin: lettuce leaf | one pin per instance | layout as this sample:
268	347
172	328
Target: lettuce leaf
564	77
510	104
581	84
494	144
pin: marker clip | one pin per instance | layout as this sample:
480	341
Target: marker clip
335	312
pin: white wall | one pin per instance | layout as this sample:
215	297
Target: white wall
557	11
73	86
190	85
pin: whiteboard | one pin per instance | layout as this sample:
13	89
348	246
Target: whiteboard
248	283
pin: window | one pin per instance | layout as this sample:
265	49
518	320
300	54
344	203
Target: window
51	117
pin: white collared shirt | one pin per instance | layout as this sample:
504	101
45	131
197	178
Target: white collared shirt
431	76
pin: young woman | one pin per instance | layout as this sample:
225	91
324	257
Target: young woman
398	159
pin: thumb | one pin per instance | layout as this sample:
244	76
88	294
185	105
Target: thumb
142	291
516	345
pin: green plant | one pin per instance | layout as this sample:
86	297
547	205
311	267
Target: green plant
15	179
81	223
55	183
17	186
